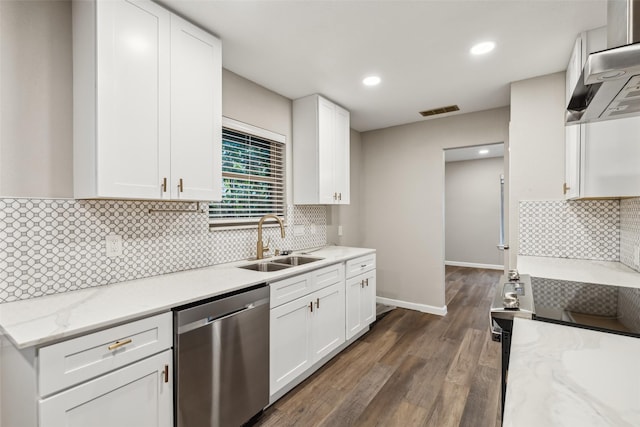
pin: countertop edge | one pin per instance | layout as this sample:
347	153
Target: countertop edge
611	273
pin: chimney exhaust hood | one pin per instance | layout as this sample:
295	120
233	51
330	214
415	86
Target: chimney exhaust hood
609	87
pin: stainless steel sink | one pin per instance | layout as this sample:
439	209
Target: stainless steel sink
296	260
280	264
265	266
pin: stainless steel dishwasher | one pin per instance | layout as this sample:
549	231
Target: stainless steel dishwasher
222	359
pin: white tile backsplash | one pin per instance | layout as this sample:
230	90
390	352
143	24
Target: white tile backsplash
629	232
58	245
582	229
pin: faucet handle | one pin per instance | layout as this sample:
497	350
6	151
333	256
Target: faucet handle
266	248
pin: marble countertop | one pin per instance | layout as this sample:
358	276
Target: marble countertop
43	320
579	270
566	376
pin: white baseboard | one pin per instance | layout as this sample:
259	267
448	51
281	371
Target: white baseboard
474	265
440	311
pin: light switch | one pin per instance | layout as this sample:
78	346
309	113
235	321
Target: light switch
339	230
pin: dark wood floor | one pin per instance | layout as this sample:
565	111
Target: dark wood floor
411	369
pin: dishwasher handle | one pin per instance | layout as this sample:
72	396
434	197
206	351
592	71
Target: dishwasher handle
205	321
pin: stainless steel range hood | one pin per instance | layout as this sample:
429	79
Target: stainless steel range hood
609	87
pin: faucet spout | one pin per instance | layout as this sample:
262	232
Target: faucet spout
260	248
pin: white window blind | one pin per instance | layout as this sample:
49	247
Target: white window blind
253	174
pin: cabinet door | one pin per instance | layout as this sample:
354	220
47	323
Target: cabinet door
572	160
328	320
611	158
368	299
574	69
327	192
342	155
360	302
136	395
132	99
354	320
290	342
196	113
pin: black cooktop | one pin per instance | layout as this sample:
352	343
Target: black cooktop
605	308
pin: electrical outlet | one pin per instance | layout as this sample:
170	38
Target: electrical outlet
114	245
312	229
339	230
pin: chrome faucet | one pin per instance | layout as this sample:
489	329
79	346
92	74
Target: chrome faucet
260	248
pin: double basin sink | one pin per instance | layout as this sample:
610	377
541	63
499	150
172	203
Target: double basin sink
280	264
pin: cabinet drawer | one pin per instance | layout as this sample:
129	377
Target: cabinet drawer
289	289
70	362
328	276
360	265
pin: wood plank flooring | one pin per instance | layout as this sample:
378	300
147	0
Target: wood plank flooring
411	369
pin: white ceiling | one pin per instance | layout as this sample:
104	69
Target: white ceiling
420	49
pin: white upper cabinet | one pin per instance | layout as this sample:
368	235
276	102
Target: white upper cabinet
147	104
601	159
320	152
196	113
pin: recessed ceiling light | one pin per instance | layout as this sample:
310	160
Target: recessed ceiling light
371	81
483	151
482	48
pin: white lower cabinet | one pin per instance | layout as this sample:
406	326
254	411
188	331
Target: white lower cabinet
139	395
290	342
303	331
306	324
120	376
314	315
360	302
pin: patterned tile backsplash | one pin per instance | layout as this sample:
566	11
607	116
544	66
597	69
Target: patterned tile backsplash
629	232
583	229
575	296
49	246
608	301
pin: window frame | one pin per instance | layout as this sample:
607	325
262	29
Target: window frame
246	223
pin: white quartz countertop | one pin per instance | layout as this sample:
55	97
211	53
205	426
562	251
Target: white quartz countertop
567	376
42	320
579	270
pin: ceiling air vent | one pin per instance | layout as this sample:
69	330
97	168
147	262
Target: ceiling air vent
441	110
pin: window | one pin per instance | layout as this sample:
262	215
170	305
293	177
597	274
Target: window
252	174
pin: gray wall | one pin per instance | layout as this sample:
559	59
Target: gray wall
536	150
472	212
402	201
35	99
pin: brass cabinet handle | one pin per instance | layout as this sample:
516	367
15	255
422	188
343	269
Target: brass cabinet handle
339	196
311	306
166	373
180	186
565	188
119	344
362	283
335	196
164	184
366	282
317	302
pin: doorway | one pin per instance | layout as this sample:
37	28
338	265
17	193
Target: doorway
473	206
